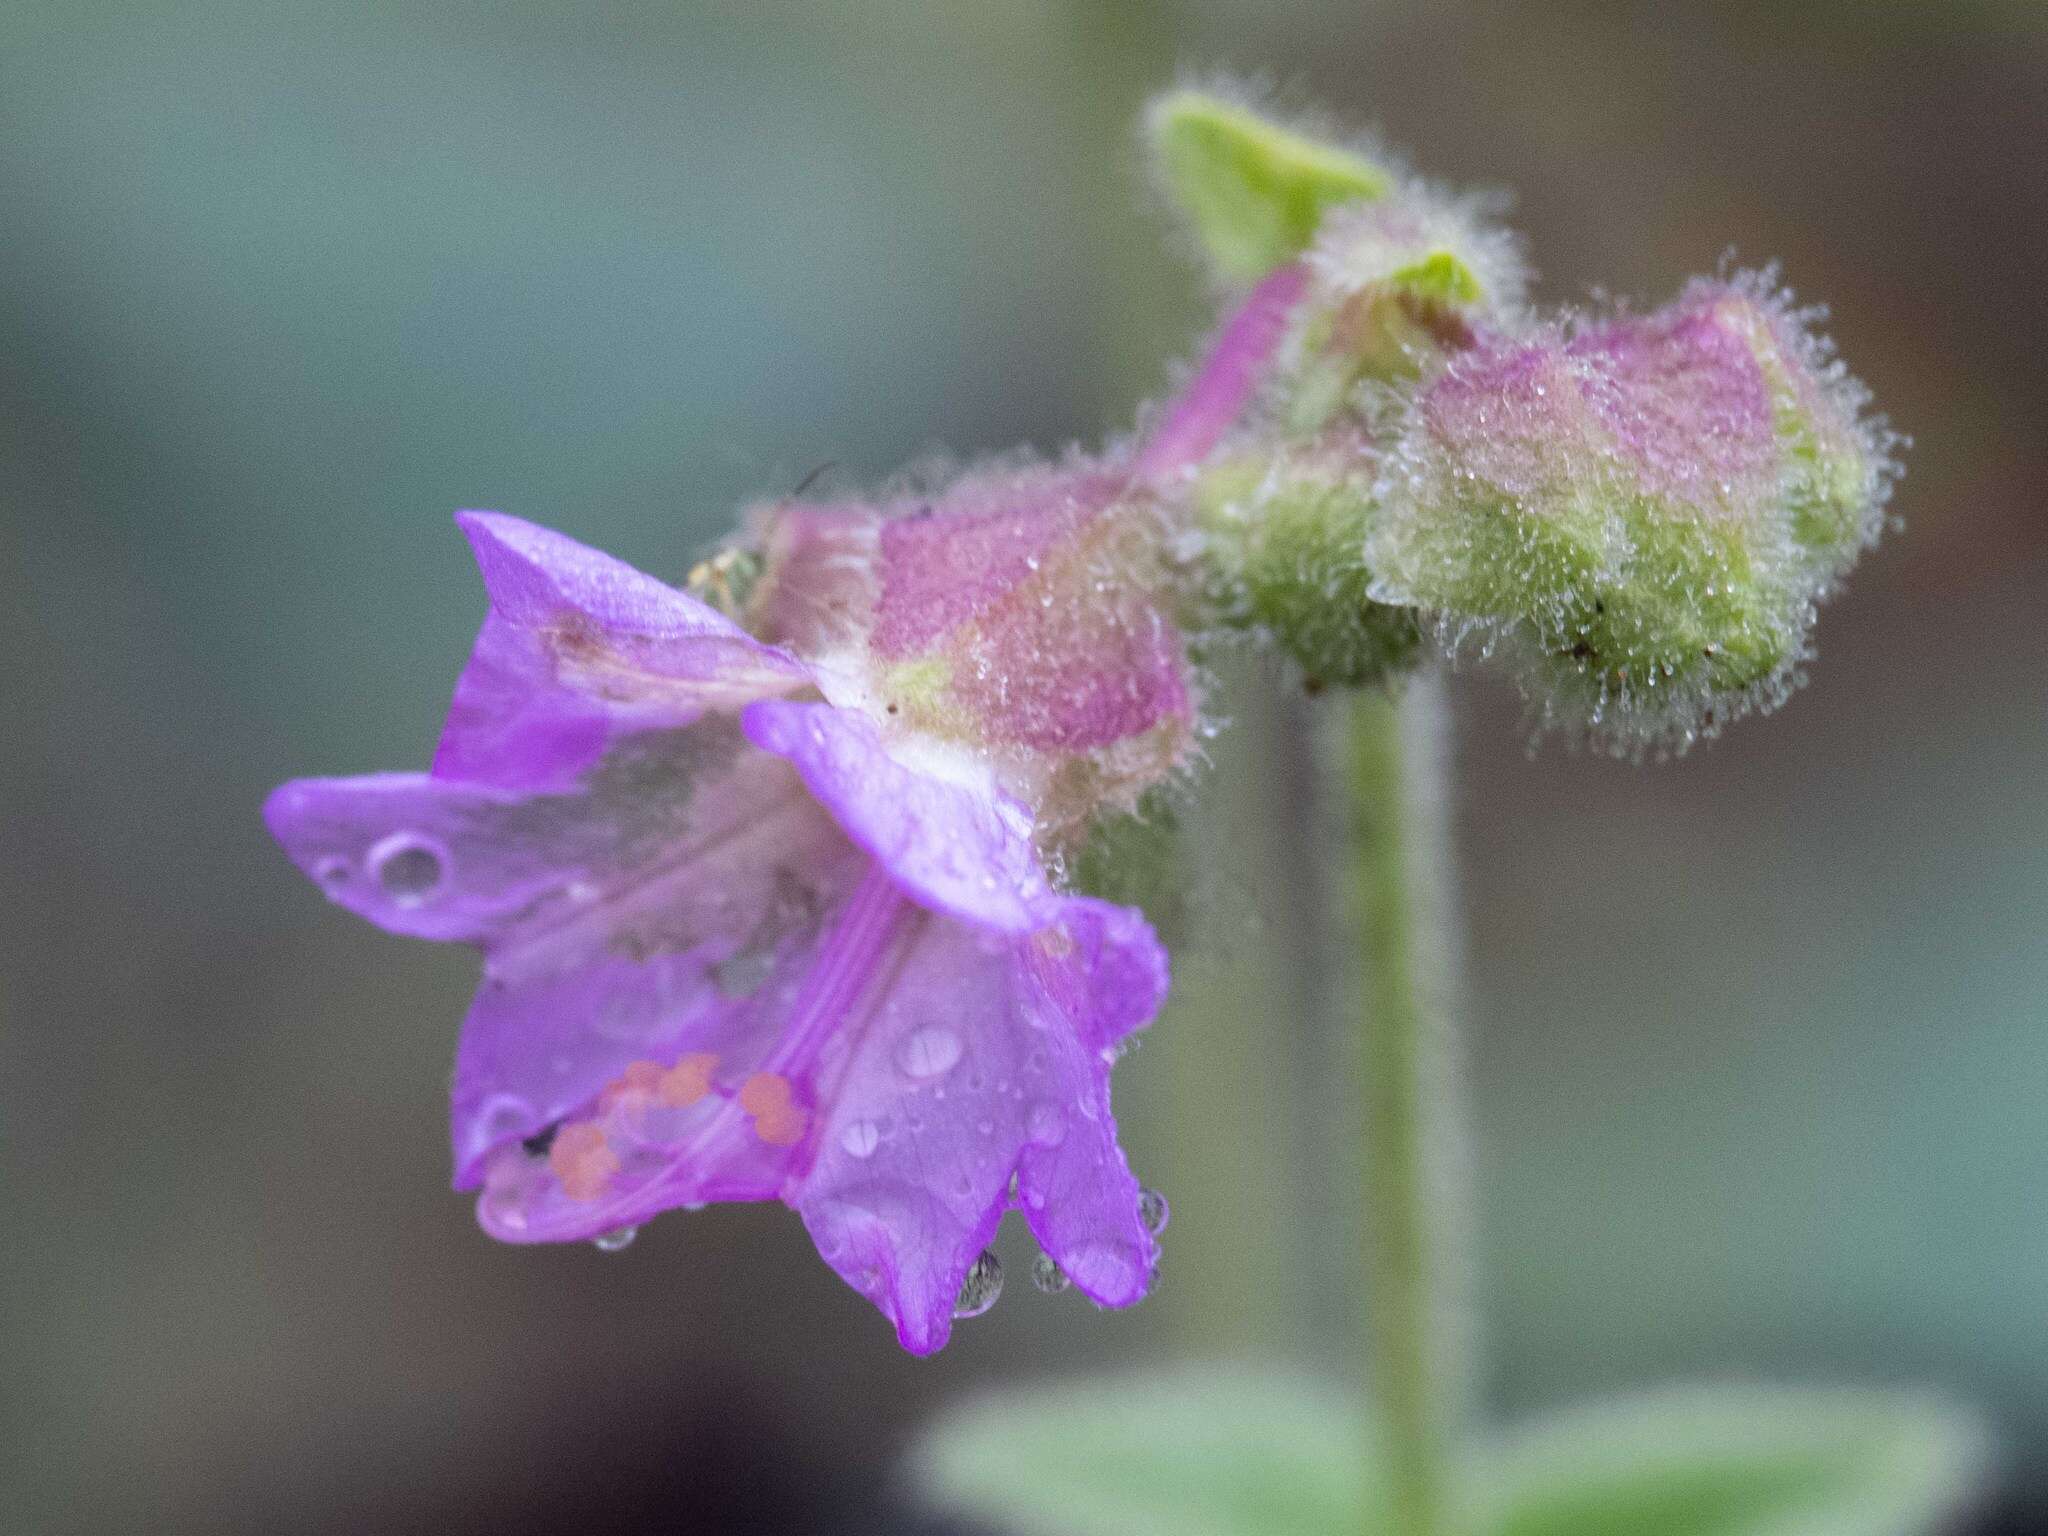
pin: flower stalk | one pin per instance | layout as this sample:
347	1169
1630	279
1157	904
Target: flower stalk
1414	1201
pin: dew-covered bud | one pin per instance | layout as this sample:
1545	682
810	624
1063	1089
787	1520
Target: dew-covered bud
1641	513
1370	279
1281	540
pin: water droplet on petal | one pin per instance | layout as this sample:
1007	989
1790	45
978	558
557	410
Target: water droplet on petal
861	1138
505	1207
332	870
409	867
1047	1276
498	1119
1153	1211
616	1240
928	1052
1047	1124
984	1283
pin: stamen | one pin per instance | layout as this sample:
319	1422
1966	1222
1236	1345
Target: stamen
777	1121
648	1082
687	1081
583	1161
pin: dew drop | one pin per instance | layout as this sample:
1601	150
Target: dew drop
1153	1211
1047	1124
332	870
615	1241
861	1138
408	867
1048	1277
928	1052
505	1207
984	1283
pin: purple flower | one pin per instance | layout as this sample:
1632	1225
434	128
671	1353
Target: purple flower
748	936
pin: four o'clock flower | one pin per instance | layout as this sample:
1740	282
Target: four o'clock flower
763	890
760	924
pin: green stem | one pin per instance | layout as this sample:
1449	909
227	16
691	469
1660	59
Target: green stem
1413	1122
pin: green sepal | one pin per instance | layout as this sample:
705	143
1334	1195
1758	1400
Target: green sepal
1254	192
1441	277
1696	612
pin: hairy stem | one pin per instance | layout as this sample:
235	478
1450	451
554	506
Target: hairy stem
1414	1172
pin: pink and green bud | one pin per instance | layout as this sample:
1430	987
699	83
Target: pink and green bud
1369	279
1643	512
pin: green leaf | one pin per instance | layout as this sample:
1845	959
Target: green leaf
1254	191
1734	1461
1219	1452
1192	1453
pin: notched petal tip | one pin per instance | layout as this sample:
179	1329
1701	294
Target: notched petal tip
904	1249
978	1079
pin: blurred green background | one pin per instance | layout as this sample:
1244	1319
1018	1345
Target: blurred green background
1758	1042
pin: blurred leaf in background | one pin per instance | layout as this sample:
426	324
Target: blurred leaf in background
1215	1452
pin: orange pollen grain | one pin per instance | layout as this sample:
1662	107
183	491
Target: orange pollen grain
583	1160
765	1093
777	1121
781	1128
688	1080
640	1080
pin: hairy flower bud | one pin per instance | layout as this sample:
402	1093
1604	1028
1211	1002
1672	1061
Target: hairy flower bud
1369	278
1642	513
1282	539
